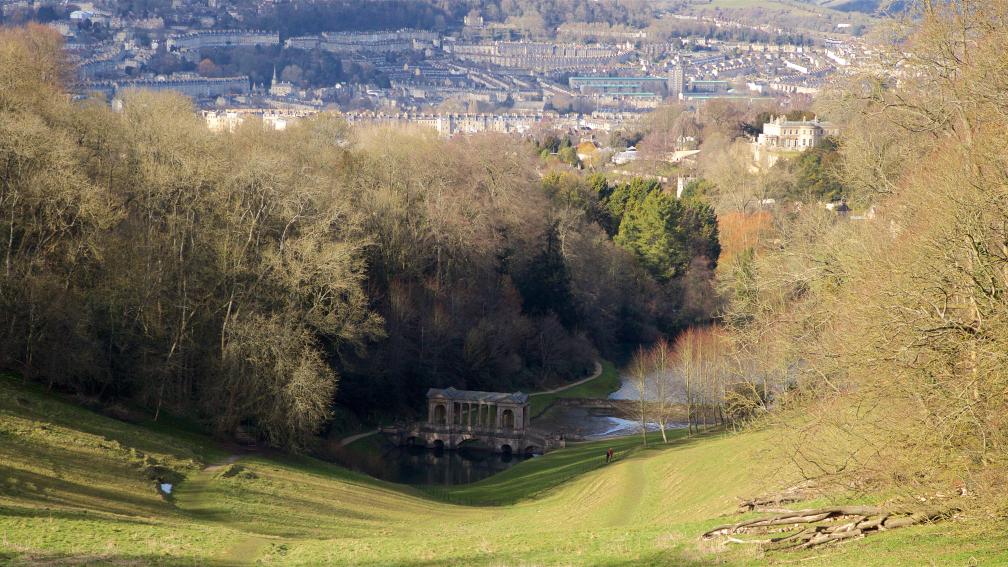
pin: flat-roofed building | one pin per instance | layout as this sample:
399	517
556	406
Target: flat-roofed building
621	85
207	39
193	87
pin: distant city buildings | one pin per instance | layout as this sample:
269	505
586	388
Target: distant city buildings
538	56
269	118
448	124
622	85
475	74
223	38
191	86
348	43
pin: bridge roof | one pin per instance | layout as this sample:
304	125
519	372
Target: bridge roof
476	396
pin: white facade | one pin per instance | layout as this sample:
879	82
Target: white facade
795	135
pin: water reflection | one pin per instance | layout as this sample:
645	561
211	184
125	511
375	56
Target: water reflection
417	465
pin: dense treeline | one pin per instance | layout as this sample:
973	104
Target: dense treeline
534	16
242	277
300	18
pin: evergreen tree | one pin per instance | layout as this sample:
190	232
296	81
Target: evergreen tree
545	286
651	231
664	234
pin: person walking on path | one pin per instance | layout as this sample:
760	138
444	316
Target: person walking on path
609	455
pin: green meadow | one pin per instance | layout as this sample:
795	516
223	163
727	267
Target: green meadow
78	488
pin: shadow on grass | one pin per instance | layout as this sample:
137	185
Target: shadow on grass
64	492
535	476
216	501
64	411
34	558
10	511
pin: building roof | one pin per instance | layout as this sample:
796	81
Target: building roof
475	396
783	121
616	80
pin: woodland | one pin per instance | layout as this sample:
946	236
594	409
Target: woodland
257	280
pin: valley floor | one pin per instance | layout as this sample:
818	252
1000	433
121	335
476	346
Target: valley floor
78	488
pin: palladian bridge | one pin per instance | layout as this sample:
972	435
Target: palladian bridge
488	420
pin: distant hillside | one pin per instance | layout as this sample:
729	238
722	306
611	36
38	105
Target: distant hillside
873	7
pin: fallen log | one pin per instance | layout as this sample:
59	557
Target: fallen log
805	516
824	526
772	503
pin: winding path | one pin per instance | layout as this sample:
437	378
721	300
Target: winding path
594	375
348	440
193	495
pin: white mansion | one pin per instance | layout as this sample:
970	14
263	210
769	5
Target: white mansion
782	135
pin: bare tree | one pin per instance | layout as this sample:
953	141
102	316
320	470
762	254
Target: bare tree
662	384
641	367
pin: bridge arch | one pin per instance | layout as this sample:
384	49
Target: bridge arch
438	445
440	414
472	442
532	450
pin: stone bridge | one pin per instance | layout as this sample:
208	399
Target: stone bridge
499	440
488	420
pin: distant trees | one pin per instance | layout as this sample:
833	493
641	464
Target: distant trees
296	18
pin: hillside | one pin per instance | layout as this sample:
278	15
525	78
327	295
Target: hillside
76	488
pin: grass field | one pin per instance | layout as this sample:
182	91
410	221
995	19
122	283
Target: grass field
78	488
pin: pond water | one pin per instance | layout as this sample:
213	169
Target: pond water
597	423
587	423
417	465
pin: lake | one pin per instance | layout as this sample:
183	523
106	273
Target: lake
417	465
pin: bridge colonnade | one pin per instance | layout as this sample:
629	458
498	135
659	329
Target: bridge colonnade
477	414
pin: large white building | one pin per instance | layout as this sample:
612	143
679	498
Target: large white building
795	135
783	135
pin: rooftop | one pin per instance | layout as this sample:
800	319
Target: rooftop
476	396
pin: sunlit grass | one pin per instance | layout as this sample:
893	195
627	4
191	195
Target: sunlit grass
73	489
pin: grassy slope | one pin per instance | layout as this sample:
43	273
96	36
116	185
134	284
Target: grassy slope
606	383
73	485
